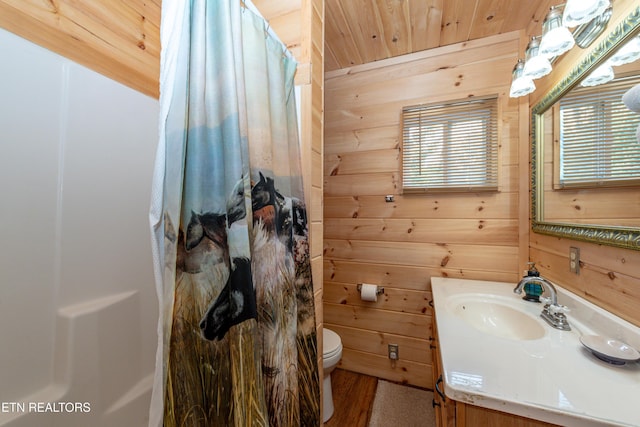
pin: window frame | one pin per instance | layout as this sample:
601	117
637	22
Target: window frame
492	157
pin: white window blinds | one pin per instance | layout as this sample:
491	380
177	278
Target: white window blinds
598	144
450	147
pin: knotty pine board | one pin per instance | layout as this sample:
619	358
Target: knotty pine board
402	244
609	276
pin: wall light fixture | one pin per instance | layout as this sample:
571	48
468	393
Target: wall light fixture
556	38
591	18
520	85
536	65
578	12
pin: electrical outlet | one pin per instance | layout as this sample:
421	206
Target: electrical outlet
393	352
574	260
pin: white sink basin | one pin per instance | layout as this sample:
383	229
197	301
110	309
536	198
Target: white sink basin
499	354
493	316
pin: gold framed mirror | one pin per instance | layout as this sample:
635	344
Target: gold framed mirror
574	224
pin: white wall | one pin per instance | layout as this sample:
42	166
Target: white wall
76	159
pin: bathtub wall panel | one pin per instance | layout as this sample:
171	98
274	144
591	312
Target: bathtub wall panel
400	245
78	309
30	120
110	141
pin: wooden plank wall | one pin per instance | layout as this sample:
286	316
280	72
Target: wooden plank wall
116	38
609	276
401	244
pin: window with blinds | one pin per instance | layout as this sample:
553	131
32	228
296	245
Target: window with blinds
598	144
450	147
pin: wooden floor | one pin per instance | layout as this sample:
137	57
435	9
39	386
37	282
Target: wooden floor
353	396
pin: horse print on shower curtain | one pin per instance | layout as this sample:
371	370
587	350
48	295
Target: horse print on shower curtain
238	338
215	291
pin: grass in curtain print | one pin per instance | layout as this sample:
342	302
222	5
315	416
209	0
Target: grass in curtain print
308	377
290	365
249	406
199	372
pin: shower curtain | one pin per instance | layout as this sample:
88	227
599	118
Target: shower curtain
237	336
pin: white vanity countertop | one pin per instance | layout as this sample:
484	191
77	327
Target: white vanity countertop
553	378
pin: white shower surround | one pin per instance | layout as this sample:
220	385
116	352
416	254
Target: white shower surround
78	308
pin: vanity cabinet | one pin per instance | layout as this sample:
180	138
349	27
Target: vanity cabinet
450	413
444	407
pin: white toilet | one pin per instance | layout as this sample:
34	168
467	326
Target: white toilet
331	354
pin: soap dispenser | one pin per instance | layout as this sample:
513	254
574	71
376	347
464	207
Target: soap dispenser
532	289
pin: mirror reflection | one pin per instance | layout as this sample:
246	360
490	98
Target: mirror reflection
591	150
586	146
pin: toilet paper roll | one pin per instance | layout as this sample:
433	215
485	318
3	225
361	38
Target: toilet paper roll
369	292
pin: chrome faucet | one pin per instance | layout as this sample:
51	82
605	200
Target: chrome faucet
552	312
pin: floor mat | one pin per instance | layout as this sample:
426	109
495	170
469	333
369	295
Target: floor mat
402	406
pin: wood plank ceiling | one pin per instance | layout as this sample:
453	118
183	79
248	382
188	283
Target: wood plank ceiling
362	31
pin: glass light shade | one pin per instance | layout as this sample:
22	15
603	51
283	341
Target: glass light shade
600	75
536	65
520	85
556	39
578	12
627	53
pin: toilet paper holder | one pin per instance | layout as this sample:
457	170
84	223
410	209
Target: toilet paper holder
379	289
